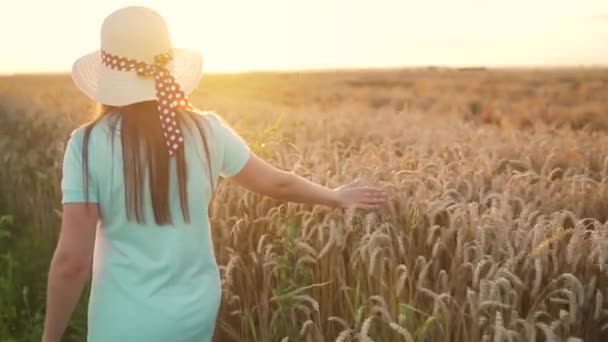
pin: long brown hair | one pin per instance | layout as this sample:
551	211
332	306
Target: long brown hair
144	153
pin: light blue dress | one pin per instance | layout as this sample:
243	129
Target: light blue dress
151	283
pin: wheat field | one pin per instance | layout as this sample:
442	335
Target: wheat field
496	228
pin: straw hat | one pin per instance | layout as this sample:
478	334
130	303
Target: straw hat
134	33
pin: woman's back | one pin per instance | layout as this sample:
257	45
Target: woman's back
147	277
148	175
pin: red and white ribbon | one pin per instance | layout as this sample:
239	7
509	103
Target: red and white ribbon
169	95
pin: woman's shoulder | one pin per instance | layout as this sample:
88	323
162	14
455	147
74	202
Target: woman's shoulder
210	120
207	117
94	130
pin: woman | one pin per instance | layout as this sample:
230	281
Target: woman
145	170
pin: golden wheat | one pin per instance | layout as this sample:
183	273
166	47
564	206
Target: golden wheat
496	227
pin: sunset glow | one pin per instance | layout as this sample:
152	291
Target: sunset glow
313	34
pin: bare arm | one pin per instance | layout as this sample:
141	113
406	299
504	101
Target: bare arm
263	178
70	268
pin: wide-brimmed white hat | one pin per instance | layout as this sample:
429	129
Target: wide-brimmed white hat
141	34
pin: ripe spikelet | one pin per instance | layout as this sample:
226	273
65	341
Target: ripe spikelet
512	335
477	272
402	278
374	261
306	247
541	315
423	274
482	321
436	183
438	304
538	276
504	284
420	262
340	321
431	234
529	330
303	308
472	301
537	233
498	327
590	289
261	243
345	336
378	300
381	308
488	290
564	316
306	327
402	331
599	304
364	338
269	255
520	165
445	298
576	285
401	245
330	242
443	280
271	264
437	248
604	172
369	223
367	324
350	215
549	334
309	300
379	240
494	291
573	306
254	258
232	263
493	269
342	234
555	174
305	259
234	300
572	248
492	304
513	279
543	247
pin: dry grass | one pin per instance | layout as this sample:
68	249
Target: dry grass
496	229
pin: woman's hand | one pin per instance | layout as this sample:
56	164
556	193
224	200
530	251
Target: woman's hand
356	195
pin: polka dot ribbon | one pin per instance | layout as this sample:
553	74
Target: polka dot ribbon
169	95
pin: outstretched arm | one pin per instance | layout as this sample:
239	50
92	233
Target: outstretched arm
263	178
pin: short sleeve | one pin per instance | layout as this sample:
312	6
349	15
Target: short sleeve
72	181
235	151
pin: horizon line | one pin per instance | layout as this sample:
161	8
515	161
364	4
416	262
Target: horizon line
345	69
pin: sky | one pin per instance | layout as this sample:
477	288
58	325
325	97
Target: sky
245	35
